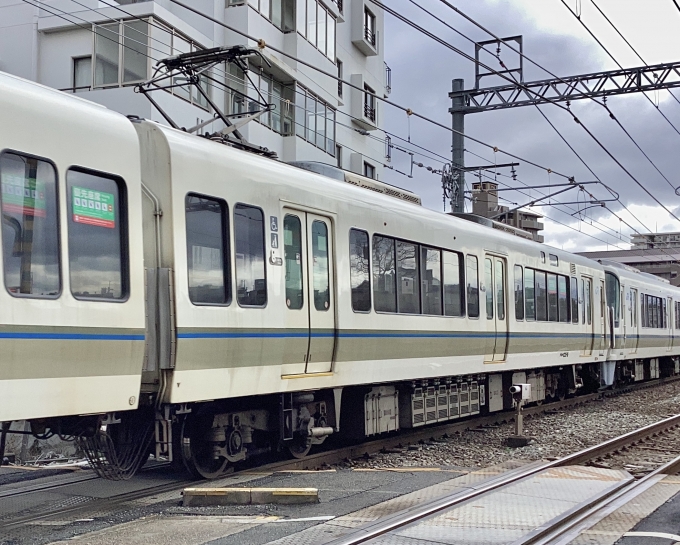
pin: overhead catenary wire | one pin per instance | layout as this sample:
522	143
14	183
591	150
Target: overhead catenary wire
522	86
246	82
670	92
496	72
378	161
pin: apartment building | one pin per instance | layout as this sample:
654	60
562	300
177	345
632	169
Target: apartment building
101	49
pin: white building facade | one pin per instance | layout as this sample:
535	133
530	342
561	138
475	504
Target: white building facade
101	49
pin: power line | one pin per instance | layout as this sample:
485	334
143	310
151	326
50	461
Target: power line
632	48
495	149
576	119
645	95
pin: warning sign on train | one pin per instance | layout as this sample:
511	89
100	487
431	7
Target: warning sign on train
93	207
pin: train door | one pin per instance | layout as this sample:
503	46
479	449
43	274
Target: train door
633	334
495	282
587	316
668	312
310	316
603	318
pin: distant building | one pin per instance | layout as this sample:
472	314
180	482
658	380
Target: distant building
649	241
654	253
100	50
485	203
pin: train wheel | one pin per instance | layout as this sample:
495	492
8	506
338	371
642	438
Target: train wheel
196	448
299	447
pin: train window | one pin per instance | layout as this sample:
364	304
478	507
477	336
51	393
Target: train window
453	296
292	251
472	287
529	294
562	299
589	302
431	273
541	297
542	257
554	260
488	288
251	281
97	236
207	250
359	270
663	314
384	275
500	289
30	226
552	298
613	289
408	283
321	274
583	301
573	292
519	293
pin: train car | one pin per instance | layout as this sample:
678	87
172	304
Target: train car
72	313
257	305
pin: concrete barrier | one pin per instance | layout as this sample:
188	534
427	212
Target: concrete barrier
205	497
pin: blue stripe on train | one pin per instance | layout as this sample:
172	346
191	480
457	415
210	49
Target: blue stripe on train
71	336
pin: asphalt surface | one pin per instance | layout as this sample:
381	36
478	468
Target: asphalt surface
666	519
340	492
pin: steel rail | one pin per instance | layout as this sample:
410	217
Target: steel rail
409	516
567	528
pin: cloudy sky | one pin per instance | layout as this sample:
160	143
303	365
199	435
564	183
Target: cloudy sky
422	71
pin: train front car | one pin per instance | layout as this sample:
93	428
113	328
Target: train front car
72	304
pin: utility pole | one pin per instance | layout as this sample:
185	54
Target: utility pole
458	146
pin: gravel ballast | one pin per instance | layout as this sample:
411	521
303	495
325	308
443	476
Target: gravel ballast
553	434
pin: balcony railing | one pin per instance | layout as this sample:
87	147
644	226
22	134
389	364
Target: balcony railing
369	112
369	36
339	4
388	79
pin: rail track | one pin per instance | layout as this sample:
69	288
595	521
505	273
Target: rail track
334	456
559	531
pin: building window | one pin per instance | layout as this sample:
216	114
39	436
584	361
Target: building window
369	26
30	226
369	103
338	62
207	250
121	53
369	170
279	12
97	236
338	155
317	25
281	118
82	73
314	120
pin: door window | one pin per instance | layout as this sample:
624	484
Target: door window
292	251
488	286
500	289
320	281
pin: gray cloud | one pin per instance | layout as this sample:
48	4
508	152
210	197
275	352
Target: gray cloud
422	73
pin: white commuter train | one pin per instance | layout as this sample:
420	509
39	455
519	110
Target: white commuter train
165	291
